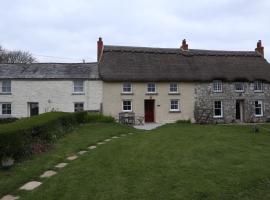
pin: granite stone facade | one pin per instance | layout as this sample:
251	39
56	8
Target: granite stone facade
205	98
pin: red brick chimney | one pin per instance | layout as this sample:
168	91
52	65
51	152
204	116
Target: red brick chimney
184	46
99	48
260	48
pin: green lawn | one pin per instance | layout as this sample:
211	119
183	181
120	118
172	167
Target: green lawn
177	161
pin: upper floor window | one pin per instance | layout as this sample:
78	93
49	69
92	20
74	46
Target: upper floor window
258	108
239	87
217	86
5	86
174	88
127	88
151	87
5	108
78	107
78	86
258	86
218	109
174	105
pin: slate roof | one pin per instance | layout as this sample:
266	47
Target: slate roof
142	64
49	71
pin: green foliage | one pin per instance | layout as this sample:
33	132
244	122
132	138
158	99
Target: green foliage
7	120
18	139
183	121
96	117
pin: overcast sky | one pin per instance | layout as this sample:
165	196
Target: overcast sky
70	28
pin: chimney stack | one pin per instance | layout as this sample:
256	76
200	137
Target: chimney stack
99	48
184	46
260	48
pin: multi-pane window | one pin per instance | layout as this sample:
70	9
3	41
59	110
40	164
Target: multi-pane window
239	87
217	86
6	86
6	108
173	88
218	110
127	105
78	107
174	105
151	87
258	108
127	88
78	86
258	86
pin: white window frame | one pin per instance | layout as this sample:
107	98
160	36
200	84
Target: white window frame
256	83
178	105
260	102
243	87
217	86
74	86
177	88
2	86
124	86
4	114
131	105
151	92
78	103
221	108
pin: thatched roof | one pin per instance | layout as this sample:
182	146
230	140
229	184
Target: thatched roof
137	64
49	71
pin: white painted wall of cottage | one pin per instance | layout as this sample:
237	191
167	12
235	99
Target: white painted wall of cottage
51	94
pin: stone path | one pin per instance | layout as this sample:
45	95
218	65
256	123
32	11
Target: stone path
148	126
47	174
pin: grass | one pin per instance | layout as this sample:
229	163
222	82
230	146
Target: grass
80	138
177	161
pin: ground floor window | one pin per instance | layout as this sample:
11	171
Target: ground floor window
78	107
258	108
5	108
127	105
174	105
218	110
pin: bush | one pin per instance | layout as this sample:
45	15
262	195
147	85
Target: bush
95	117
21	138
188	121
8	120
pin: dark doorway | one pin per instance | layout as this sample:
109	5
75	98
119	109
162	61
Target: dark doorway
33	109
239	110
149	111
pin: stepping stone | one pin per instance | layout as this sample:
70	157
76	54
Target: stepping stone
72	158
130	133
92	147
61	165
82	152
30	185
107	140
100	143
114	137
123	135
9	197
48	174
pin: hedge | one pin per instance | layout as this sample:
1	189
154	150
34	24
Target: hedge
96	118
18	139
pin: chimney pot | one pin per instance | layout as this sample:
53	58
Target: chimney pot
99	48
260	48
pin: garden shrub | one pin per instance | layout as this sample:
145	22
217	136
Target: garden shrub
30	135
96	117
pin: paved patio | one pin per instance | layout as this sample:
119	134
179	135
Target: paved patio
148	126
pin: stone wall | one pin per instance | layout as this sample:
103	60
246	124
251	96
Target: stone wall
205	97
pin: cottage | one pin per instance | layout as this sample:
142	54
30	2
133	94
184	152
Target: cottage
170	84
31	89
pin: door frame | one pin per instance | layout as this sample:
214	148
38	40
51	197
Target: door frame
29	108
154	113
241	110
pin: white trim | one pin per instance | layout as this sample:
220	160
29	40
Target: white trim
78	103
131	88
83	87
151	91
1	110
261	103
217	82
131	105
255	82
178	104
243	87
177	87
218	116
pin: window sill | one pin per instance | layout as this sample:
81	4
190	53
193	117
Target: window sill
217	92
239	91
127	93
78	93
174	111
174	93
3	93
217	117
258	116
151	93
3	116
258	91
127	111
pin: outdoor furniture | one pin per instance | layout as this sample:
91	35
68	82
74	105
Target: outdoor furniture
127	117
140	120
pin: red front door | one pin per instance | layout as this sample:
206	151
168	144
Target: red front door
149	110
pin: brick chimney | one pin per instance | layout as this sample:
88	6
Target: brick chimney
99	48
260	48
184	46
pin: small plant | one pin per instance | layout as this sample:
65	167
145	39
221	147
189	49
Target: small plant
96	117
188	121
